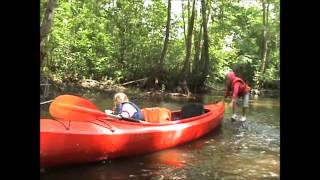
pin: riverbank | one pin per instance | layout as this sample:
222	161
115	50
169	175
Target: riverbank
56	87
53	87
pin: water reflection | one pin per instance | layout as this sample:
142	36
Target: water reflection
249	150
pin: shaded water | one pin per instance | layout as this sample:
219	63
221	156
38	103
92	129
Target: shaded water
234	150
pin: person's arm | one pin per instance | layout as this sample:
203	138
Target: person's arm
235	91
108	111
226	94
233	102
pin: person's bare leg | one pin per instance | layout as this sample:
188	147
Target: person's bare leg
245	107
244	111
234	107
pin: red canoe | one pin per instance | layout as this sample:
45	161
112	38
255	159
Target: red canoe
72	142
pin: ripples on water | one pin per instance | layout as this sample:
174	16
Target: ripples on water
235	150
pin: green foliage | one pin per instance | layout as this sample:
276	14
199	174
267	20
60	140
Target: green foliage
122	40
244	53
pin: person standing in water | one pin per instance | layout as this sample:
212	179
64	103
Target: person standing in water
236	87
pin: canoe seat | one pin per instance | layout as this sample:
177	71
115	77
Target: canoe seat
192	110
156	114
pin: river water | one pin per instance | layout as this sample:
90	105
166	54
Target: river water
235	150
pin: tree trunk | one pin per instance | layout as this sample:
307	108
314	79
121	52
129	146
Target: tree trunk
123	43
197	47
45	26
264	37
205	48
166	41
196	68
222	16
267	40
186	67
184	24
189	10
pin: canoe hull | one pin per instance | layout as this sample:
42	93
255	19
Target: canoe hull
62	143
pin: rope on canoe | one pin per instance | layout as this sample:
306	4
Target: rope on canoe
46	102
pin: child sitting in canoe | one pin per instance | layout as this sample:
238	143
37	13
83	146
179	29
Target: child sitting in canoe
236	87
124	108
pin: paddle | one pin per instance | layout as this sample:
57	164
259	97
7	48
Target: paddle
75	108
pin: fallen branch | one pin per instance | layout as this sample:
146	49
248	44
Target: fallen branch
178	94
130	82
189	96
214	88
90	80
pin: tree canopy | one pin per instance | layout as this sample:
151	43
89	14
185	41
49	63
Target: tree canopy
127	40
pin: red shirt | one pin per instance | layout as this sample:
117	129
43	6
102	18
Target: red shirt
237	90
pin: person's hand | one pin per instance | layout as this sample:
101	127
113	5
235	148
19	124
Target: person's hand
144	122
107	111
231	103
225	98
